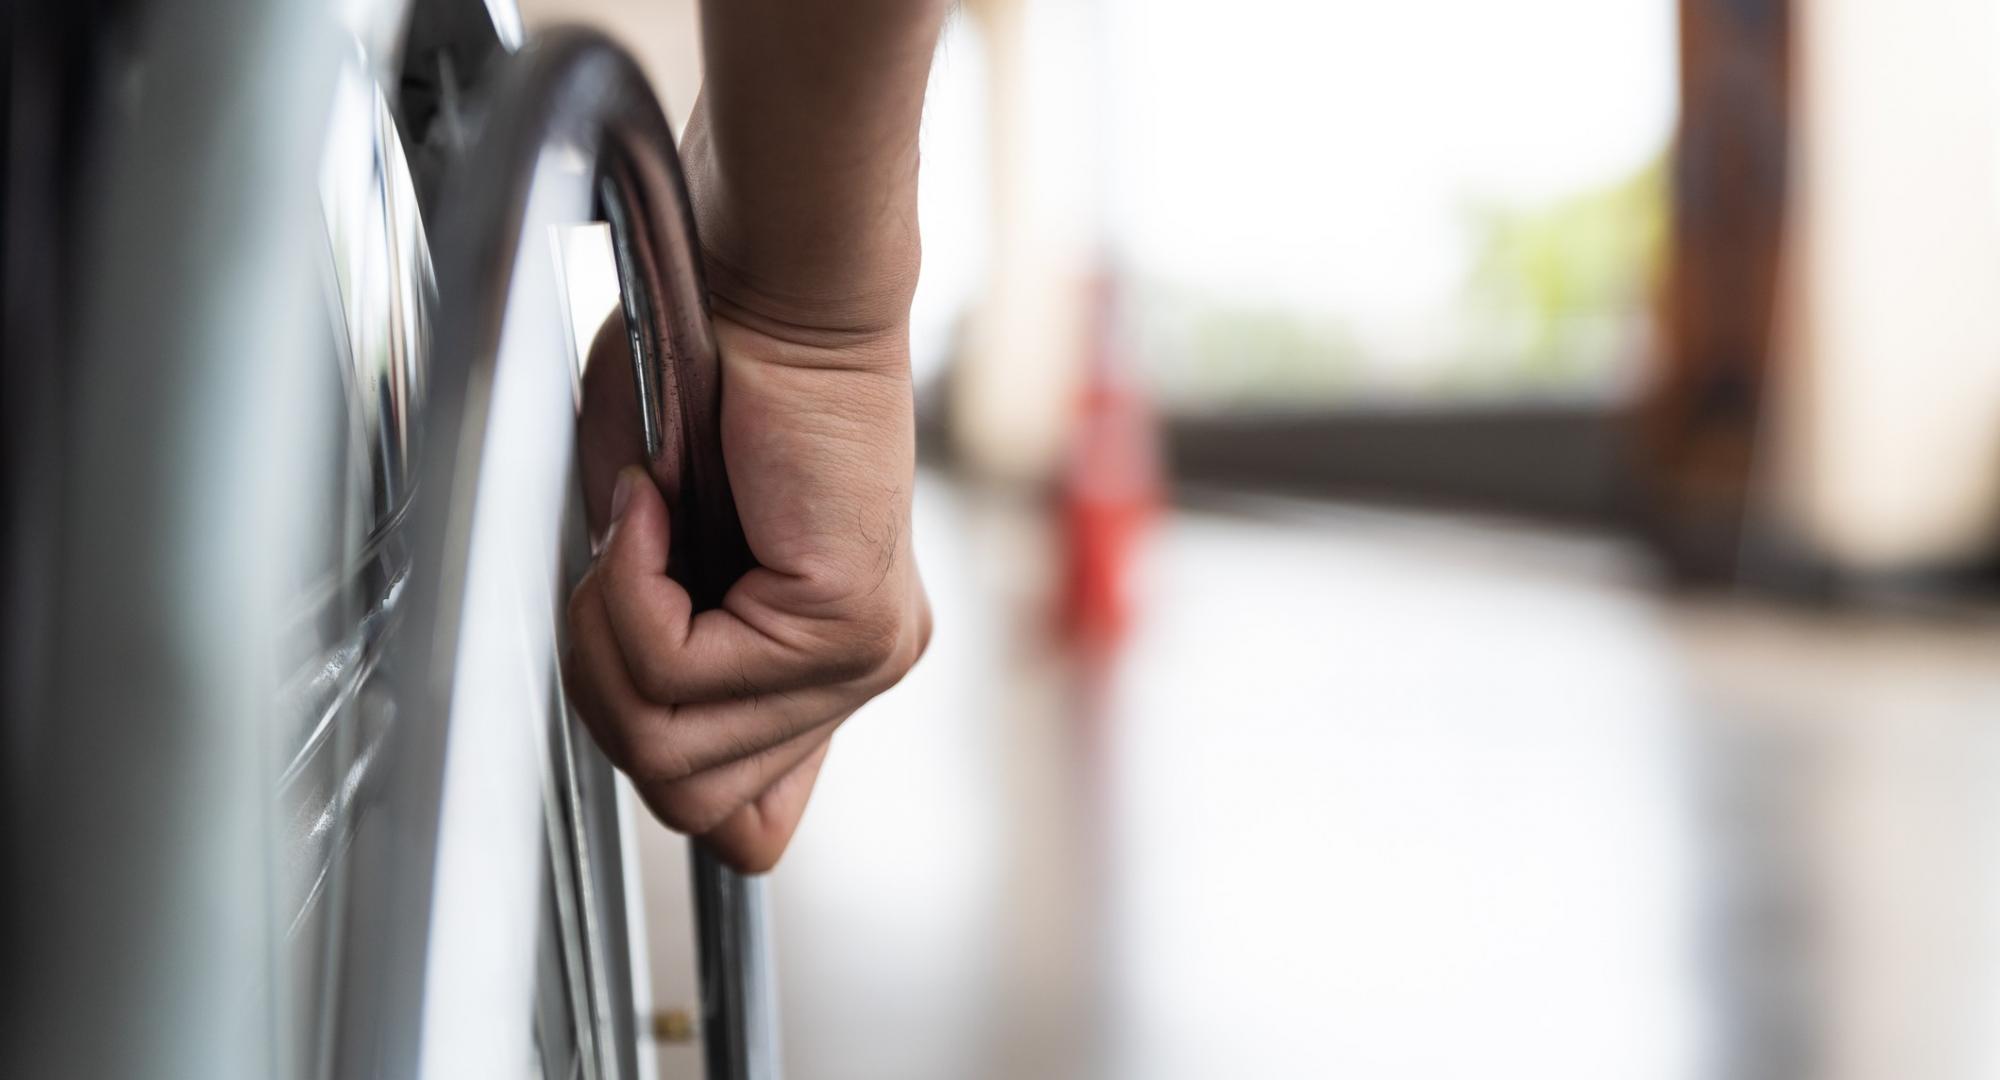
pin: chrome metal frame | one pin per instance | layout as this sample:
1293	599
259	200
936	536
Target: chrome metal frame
576	87
152	926
209	471
142	939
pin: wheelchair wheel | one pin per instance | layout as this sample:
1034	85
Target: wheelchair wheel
291	786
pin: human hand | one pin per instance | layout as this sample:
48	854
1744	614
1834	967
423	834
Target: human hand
723	717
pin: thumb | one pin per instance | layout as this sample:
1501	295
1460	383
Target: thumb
650	614
640	535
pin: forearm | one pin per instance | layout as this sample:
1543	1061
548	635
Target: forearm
802	153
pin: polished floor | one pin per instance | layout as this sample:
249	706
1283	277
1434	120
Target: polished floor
1383	795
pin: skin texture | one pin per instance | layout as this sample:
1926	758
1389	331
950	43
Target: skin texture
801	157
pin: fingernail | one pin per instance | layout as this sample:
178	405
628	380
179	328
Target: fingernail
621	494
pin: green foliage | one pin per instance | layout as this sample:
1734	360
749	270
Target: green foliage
1558	297
1547	280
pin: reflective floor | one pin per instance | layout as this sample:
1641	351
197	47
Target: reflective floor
1385	795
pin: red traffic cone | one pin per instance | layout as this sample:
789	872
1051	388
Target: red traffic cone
1110	485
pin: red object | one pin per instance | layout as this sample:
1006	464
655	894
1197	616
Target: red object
1110	485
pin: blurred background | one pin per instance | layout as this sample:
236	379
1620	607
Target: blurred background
1465	540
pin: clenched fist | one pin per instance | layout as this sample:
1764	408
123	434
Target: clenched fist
801	163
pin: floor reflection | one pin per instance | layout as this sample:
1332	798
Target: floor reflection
1383	795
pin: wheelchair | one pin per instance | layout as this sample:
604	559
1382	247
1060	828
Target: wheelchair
291	398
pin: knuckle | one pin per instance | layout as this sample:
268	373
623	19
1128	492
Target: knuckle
911	652
908	650
687	808
753	858
901	657
869	643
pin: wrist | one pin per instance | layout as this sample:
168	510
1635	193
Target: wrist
823	262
